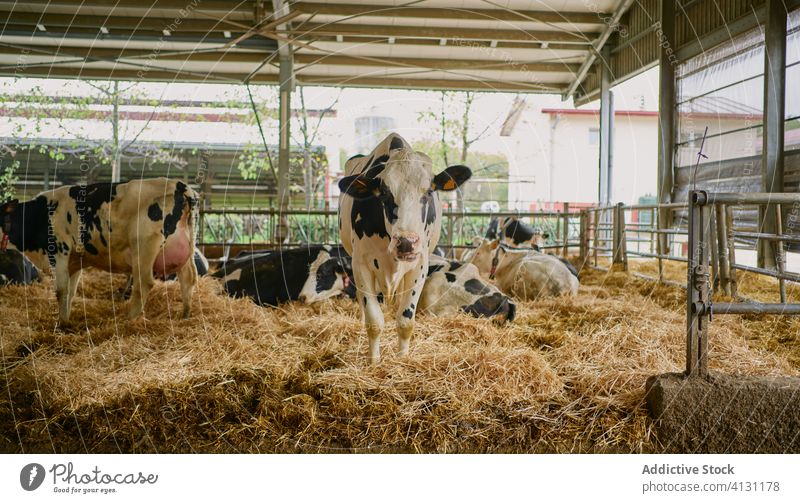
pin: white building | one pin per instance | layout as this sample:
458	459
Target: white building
555	155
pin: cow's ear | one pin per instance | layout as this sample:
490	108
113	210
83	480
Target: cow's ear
451	178
495	244
359	187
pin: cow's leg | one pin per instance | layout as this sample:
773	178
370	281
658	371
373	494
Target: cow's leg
373	315
143	259
407	308
73	289
187	277
63	289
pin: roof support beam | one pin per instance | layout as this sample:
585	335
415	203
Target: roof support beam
221	56
774	108
436	63
112	22
435	32
666	118
606	131
356	10
623	7
221	6
120	72
286	86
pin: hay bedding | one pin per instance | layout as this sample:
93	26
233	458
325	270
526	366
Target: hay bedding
567	376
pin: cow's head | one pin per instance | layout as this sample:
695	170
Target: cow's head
7	211
329	275
407	193
539	239
486	253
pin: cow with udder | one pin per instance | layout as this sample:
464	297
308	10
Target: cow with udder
142	228
390	220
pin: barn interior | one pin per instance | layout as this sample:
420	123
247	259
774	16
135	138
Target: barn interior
569	375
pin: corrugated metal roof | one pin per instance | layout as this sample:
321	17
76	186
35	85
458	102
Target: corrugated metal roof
509	45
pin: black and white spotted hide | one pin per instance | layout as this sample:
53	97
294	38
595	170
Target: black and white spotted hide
455	286
390	219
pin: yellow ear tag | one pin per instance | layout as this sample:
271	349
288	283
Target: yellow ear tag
449	184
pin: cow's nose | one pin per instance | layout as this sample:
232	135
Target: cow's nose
302	298
405	245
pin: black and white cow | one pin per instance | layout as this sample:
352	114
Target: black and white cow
329	275
514	232
454	286
389	221
449	287
280	276
142	227
16	269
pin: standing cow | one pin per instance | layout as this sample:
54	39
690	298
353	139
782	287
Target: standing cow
389	221
141	227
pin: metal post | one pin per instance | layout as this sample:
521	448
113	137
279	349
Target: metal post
731	244
722	249
618	236
450	241
286	86
666	122
285	92
606	128
698	309
595	233
712	241
565	251
780	258
584	249
774	108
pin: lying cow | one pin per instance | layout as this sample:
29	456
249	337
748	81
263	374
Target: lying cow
390	218
16	269
454	286
328	276
514	232
280	276
524	274
141	227
450	286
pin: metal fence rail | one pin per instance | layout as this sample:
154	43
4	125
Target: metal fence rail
704	238
255	227
708	240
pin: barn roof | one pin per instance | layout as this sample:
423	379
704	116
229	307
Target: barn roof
511	45
529	46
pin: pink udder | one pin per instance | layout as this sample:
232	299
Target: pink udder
173	256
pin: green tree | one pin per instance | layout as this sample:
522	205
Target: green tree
8	175
75	114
